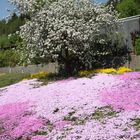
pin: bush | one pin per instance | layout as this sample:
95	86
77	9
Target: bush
86	72
137	46
9	58
4	42
40	75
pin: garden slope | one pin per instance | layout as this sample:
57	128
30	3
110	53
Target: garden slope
103	107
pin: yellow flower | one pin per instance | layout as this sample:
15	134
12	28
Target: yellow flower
25	79
106	70
85	72
122	70
41	74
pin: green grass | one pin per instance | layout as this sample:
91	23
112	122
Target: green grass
137	69
12	78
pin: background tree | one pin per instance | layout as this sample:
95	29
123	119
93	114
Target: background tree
114	3
128	8
8	45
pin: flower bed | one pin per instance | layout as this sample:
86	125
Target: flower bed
120	70
104	106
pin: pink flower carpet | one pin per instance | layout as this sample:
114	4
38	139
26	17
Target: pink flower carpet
103	107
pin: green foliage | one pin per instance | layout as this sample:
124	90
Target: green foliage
104	112
113	2
8	42
137	46
12	78
128	8
8	55
12	25
136	124
9	58
4	41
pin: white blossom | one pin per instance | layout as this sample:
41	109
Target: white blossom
72	24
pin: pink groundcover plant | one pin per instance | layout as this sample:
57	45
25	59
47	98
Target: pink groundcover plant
17	121
103	107
39	137
124	96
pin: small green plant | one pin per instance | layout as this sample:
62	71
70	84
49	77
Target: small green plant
76	120
104	112
137	46
136	124
70	116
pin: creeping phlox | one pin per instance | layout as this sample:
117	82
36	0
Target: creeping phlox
17	121
103	107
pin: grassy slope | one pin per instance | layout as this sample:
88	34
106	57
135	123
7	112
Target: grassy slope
11	78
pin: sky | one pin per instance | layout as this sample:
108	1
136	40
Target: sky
4	5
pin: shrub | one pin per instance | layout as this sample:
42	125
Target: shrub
137	46
85	72
9	58
39	75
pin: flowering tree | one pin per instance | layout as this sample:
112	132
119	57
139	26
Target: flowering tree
70	31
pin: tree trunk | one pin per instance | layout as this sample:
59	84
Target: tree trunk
67	63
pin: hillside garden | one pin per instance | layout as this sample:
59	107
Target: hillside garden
92	97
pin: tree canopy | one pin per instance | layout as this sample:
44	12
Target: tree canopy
126	8
8	50
69	31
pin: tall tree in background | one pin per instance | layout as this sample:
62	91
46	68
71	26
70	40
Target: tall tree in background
114	3
128	8
8	51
